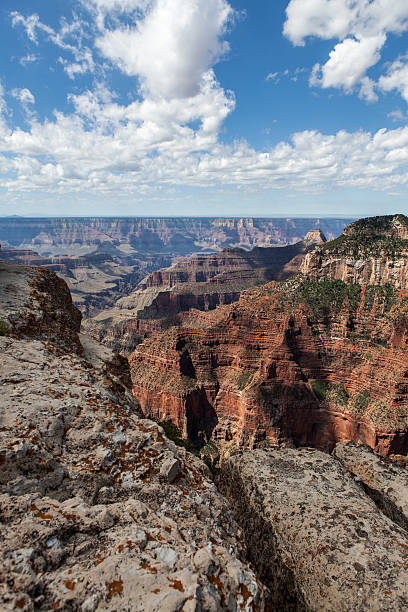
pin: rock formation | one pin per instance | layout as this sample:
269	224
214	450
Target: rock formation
383	481
201	282
172	235
98	509
309	362
370	251
319	542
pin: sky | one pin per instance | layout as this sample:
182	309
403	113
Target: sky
203	107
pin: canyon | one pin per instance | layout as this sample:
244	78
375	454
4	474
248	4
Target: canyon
311	361
202	282
103	259
101	511
171	235
97	279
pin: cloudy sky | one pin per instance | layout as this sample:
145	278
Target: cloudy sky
203	107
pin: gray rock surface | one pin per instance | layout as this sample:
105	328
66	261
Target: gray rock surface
318	541
87	521
385	482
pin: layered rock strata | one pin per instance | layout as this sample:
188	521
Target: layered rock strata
315	360
176	235
304	362
98	509
200	282
370	251
317	540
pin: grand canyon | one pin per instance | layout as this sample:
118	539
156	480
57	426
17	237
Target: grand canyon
221	425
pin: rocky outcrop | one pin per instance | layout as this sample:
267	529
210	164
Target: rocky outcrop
370	251
200	282
317	540
37	303
176	235
383	481
98	509
302	362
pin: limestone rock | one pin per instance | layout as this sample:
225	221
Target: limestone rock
86	520
318	541
385	482
170	469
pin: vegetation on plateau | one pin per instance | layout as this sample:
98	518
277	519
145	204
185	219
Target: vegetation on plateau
371	237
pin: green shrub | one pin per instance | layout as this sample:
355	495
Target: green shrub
4	328
175	434
320	388
361	401
338	394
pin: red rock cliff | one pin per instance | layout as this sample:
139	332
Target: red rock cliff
313	363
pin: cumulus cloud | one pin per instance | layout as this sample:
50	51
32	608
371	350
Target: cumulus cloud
361	26
367	90
172	46
396	78
168	135
348	62
157	143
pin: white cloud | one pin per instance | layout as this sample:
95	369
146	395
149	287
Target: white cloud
396	115
361	26
84	65
123	6
153	145
169	135
367	90
24	96
28	59
69	38
396	78
349	61
31	24
273	76
322	18
172	46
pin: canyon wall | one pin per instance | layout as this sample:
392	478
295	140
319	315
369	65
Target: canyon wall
299	362
100	511
311	361
97	279
202	282
177	235
370	251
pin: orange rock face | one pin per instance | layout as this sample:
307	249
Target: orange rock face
302	362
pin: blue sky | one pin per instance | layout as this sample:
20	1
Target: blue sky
203	107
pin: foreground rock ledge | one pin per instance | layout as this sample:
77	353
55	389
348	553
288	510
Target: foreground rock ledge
99	511
318	541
